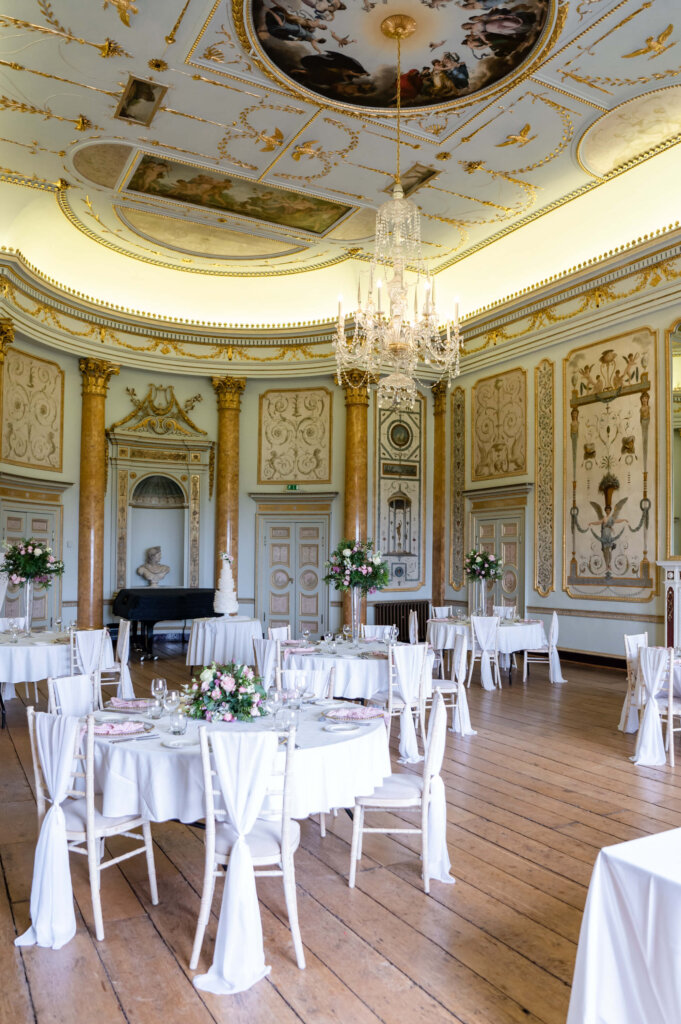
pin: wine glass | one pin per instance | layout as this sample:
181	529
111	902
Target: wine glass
273	701
394	633
14	639
306	636
285	718
58	624
172	701
159	688
347	632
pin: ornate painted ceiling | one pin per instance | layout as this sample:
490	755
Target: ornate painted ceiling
256	139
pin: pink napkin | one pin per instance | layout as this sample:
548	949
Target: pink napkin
133	703
118	728
354	714
297	650
376	654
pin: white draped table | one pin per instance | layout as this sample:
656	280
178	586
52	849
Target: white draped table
36	657
511	636
360	671
628	968
331	769
222	640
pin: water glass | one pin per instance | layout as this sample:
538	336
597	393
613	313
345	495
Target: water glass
177	723
159	688
156	709
14	639
306	636
285	719
172	701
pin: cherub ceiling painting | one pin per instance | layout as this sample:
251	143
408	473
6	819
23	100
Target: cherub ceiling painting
335	47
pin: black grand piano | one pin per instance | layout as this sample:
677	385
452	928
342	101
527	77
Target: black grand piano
149	605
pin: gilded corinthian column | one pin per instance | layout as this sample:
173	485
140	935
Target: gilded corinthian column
95	374
6	339
356	388
439	479
228	391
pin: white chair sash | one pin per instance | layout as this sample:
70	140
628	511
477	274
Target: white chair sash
53	919
409	666
266	660
462	718
654	662
89	646
439	865
443	611
243	762
376	632
632	644
504	611
555	671
413	627
75	695
485	627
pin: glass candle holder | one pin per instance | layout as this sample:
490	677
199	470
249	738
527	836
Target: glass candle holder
177	723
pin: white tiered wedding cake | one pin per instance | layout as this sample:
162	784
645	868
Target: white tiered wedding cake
225	596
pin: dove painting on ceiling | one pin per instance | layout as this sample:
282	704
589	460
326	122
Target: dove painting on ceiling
335	48
201	186
610	469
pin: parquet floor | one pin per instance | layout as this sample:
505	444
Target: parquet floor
531	799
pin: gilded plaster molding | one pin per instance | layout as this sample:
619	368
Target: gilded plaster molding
544	452
229	391
457	518
96	374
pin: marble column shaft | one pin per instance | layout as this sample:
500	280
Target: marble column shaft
438	566
6	339
93	475
356	389
228	391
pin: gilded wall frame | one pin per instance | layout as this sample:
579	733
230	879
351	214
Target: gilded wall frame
304	436
544	470
669	423
57	375
457	504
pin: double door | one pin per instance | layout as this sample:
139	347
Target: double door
292	550
503	535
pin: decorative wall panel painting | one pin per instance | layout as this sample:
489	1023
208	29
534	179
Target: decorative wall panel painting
202	186
458	477
33	402
500	426
400	494
543	477
295	436
611	468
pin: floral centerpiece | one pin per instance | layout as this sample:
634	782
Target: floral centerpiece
225	693
480	567
354	565
27	564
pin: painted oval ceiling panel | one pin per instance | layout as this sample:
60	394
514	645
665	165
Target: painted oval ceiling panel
336	49
101	163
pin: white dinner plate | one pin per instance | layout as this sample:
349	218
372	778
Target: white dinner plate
340	727
176	742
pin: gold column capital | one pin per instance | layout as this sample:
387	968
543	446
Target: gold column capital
439	391
6	336
229	391
96	374
355	384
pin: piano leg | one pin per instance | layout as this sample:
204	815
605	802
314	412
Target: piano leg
148	640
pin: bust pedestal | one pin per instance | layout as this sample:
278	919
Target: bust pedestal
672	602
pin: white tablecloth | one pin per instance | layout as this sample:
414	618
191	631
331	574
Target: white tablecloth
222	640
356	677
37	657
628	968
512	636
332	768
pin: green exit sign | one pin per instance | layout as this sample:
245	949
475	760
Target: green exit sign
291	487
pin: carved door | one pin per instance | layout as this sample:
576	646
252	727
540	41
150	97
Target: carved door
504	535
15	524
291	556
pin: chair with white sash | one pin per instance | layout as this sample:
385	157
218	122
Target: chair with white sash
443	611
119	672
267	654
454	690
279	632
242	776
317	681
633	642
484	649
407	791
87	655
405	695
73	822
505	611
546	653
657	675
375	632
72	695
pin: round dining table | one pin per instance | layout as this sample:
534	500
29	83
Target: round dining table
360	669
512	636
223	639
147	776
36	657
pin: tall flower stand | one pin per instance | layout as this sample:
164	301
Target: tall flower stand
355	611
28	605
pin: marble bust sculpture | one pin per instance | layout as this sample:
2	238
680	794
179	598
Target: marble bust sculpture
152	570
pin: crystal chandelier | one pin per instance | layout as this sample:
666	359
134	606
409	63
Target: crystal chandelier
407	335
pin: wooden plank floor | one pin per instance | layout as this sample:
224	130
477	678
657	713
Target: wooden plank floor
531	799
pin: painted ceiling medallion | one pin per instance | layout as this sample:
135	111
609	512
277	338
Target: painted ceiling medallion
335	48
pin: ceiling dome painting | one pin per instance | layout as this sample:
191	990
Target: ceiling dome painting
335	48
